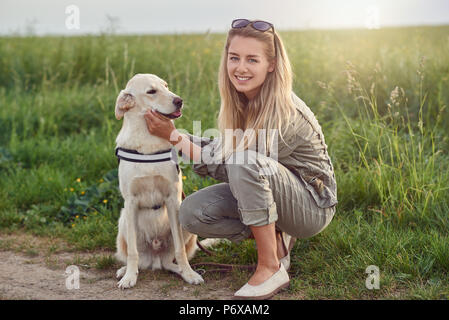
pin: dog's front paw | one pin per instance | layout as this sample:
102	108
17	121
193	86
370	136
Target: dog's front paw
129	280
121	272
192	277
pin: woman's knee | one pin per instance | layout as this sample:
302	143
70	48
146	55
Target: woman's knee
212	217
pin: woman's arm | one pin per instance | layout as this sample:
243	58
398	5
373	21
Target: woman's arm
182	143
164	128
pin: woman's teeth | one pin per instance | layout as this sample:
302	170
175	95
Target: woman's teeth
243	78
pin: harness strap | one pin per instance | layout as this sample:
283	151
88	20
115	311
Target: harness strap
135	156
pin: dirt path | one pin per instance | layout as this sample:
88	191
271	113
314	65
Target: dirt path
34	268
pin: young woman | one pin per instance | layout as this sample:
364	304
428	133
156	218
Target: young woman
297	198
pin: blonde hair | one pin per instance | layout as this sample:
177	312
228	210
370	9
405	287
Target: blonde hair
271	109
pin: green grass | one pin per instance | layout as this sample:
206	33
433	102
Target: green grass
388	146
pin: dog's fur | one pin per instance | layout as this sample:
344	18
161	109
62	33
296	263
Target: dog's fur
150	237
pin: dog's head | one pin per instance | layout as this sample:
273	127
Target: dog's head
147	91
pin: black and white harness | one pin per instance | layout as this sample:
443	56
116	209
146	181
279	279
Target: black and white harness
160	156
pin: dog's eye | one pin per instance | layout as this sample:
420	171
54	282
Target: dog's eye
151	91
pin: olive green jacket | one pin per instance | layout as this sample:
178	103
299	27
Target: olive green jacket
304	153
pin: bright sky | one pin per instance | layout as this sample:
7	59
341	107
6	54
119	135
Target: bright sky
180	16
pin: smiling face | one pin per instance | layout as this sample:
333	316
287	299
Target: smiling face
151	92
247	65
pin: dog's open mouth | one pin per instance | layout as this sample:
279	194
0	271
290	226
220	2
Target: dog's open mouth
173	115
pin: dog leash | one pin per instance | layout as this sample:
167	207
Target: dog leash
219	267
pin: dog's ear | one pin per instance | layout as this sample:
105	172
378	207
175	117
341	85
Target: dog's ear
125	101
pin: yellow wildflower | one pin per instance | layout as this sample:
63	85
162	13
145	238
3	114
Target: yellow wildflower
83	193
71	189
184	177
105	201
78	180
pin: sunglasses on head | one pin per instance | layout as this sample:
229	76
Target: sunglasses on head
257	24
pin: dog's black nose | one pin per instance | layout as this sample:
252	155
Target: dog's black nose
177	102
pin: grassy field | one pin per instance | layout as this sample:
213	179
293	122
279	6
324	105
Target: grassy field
381	97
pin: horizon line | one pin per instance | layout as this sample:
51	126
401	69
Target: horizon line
194	32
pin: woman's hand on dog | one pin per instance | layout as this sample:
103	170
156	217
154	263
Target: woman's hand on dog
164	128
160	126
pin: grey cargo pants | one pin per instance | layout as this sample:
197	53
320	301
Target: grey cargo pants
248	197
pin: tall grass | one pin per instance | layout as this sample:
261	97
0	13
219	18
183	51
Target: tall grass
400	159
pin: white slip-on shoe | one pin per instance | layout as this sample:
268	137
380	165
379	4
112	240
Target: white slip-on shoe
288	242
266	289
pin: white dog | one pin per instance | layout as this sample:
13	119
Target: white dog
149	232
